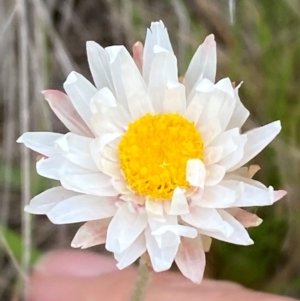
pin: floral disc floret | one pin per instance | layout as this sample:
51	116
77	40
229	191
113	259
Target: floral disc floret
154	153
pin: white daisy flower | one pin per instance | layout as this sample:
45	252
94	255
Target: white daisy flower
152	164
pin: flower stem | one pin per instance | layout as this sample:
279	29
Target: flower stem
142	282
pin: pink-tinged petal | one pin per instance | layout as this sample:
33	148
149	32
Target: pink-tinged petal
91	234
247	219
63	108
257	140
137	54
203	63
190	258
279	194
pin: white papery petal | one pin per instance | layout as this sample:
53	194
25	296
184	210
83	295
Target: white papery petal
77	149
103	107
108	116
203	63
250	193
218	105
45	201
74	177
132	253
207	219
209	132
110	153
96	184
179	230
226	140
164	72
52	167
121	186
111	168
174	100
190	259
102	98
161	258
236	155
195	172
232	144
129	84
165	239
212	154
80	91
240	113
124	228
238	236
82	208
257	140
91	234
215	197
63	108
203	85
154	207
225	86
179	203
214	174
99	65
97	146
156	35
41	142
210	110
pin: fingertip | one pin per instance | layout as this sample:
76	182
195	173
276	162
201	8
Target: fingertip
76	263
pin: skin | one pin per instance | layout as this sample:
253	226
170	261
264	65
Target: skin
86	276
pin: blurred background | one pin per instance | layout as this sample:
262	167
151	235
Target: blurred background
258	43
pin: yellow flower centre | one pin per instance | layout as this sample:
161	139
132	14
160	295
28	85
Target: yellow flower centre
154	153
